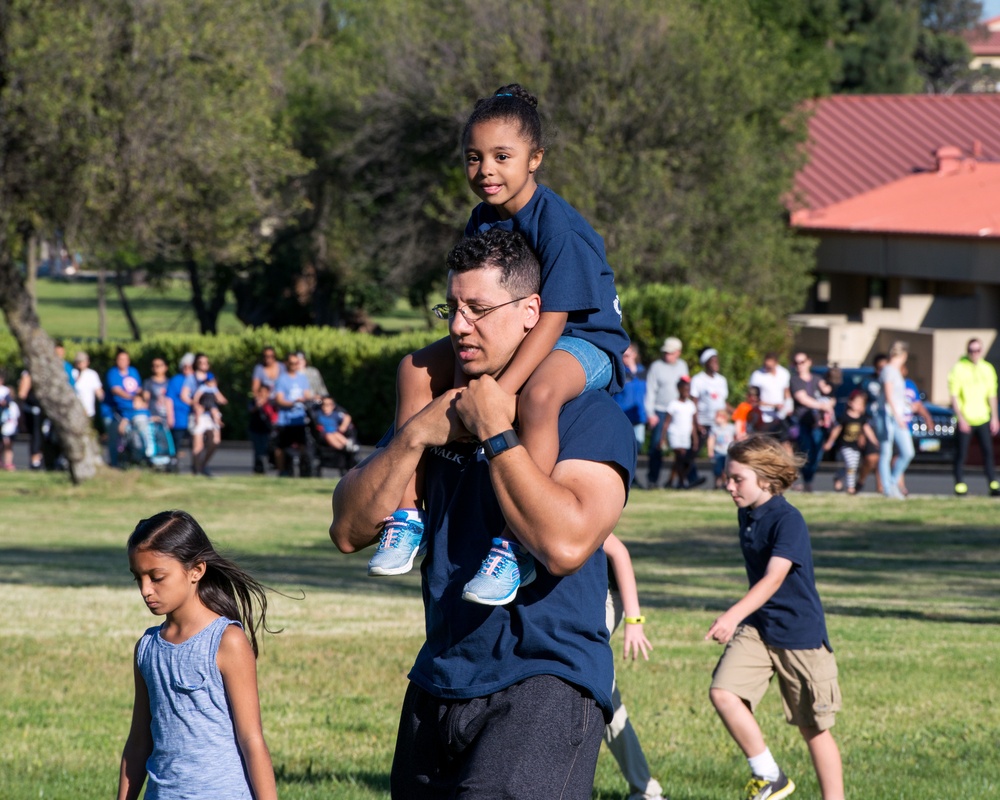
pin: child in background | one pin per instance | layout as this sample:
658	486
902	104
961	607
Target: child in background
849	435
619	735
334	424
206	400
777	628
139	419
196	728
681	434
747	416
720	436
10	414
154	389
576	346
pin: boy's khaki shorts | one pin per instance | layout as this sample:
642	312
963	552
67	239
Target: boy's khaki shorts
807	678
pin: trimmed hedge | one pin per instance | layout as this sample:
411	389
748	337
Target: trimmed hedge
360	369
741	330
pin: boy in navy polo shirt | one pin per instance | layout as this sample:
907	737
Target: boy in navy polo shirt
777	628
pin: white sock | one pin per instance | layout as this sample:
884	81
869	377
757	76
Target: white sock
413	514
764	766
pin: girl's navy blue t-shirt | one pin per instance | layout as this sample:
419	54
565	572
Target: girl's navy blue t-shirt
576	276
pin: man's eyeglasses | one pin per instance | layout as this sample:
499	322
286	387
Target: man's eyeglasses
471	313
974	350
799	362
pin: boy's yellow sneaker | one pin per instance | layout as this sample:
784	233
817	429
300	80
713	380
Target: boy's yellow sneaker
763	789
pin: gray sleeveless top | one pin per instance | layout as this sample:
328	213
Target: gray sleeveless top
195	753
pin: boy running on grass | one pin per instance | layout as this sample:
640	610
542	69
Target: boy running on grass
777	628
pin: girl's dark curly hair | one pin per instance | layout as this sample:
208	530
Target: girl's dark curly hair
511	103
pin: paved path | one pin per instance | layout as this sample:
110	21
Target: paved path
235	458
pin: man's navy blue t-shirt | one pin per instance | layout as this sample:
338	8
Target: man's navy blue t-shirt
576	276
555	626
793	618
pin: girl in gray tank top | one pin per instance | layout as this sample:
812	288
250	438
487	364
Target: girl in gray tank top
196	729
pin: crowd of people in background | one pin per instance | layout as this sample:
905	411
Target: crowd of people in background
674	411
166	419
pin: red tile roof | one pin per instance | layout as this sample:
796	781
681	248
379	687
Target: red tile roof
962	199
984	44
985	40
860	142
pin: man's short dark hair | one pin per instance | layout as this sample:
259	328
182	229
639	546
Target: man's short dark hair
520	273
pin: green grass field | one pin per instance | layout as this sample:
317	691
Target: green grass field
912	592
68	310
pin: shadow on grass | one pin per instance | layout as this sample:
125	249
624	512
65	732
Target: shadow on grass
903	566
376	781
301	568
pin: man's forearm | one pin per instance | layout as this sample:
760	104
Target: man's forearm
366	495
562	519
373	490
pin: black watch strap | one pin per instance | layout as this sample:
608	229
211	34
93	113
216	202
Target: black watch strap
495	445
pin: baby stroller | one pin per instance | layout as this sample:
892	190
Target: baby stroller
161	452
149	445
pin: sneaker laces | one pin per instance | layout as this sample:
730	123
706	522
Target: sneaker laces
753	787
497	562
391	531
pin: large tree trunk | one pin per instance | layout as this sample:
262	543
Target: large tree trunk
206	321
31	279
129	316
48	375
102	304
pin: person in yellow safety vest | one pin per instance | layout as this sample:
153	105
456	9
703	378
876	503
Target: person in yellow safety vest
972	384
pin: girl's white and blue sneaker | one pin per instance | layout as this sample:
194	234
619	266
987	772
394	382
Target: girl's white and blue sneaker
506	568
402	541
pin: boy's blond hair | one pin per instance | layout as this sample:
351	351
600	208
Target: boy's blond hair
776	468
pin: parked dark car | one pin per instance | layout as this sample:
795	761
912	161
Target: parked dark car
935	445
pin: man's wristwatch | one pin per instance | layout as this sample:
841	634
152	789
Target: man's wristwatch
496	445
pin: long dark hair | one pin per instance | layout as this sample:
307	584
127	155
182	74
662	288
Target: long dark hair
225	588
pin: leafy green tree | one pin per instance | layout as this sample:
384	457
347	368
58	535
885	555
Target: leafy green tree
680	148
942	55
140	130
810	28
876	45
740	329
199	158
376	98
676	132
45	130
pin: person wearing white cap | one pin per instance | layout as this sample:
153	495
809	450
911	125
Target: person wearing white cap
710	391
661	388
